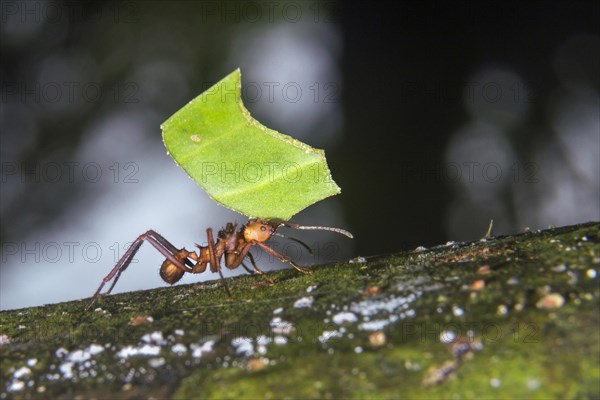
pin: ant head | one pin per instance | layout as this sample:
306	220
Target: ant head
259	230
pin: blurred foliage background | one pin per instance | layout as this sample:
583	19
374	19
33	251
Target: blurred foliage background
436	117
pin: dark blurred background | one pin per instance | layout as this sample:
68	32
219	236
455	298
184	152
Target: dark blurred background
436	117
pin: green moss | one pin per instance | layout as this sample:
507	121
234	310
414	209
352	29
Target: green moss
509	343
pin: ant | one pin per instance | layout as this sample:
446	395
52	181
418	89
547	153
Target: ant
231	243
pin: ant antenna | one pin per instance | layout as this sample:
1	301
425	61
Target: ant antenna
295	240
318	228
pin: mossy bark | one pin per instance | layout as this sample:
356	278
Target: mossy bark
513	316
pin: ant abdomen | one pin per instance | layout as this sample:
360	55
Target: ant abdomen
171	273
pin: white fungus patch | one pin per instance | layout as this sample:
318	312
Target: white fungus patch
280	327
94	349
21	372
304	302
154	337
156	362
198	350
145	350
457	311
31	362
344	317
179	332
447	336
329	335
61	352
243	346
66	369
179	349
311	288
78	356
371	307
261	344
16	386
376	325
278	310
280	340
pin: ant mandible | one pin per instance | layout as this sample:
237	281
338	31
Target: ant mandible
231	243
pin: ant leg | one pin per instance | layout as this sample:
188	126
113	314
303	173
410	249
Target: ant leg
281	257
248	269
213	259
125	265
156	240
258	270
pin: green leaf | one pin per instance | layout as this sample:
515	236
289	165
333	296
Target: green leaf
242	164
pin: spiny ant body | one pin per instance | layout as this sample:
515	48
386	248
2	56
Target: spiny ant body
232	244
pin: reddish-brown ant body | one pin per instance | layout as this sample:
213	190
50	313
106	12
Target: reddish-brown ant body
231	243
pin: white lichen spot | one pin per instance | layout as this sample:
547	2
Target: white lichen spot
590	273
31	362
304	302
278	310
78	356
281	327
311	288
263	340
4	339
179	332
61	352
145	350
447	336
344	317
21	372
533	384
501	310
376	325
154	337
66	369
420	249
358	260
156	362
329	335
179	349
495	383
560	268
16	386
457	311
94	349
243	345
206	347
280	340
358	349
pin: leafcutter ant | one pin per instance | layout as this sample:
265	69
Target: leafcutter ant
233	244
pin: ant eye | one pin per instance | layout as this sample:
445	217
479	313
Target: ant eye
263	228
